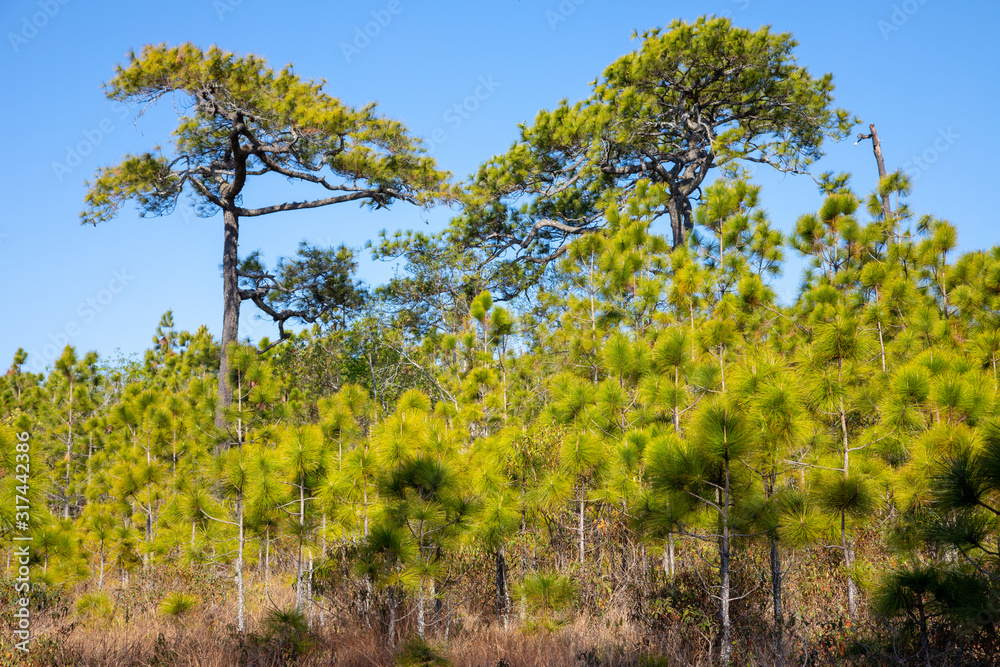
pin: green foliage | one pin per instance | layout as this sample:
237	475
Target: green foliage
177	605
441	449
289	631
416	652
95	608
273	107
575	164
548	595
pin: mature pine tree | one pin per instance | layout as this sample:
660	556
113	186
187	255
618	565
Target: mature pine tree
245	121
668	114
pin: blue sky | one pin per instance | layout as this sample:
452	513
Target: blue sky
924	71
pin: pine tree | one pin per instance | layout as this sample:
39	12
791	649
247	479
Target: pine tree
247	121
73	387
705	474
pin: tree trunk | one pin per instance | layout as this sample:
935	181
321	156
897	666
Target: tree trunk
845	542
149	530
69	447
90	453
503	595
669	561
421	605
677	380
877	149
881	343
322	609
240	590
230	307
309	593
300	563
925	644
779	618
726	640
675	211
392	617
848	548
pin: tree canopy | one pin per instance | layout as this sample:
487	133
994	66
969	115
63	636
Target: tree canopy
240	119
692	98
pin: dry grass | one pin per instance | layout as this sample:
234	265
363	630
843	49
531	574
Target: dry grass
138	634
586	643
660	623
156	642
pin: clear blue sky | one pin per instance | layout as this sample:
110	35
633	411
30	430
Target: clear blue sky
925	71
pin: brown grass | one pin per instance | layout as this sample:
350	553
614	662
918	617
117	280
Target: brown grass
139	635
659	623
158	642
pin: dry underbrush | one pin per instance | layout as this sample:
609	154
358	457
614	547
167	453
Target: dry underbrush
621	617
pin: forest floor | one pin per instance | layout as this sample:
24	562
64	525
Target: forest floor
126	625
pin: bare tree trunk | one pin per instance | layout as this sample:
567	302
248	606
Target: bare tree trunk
149	529
877	149
267	560
230	307
881	343
848	548
522	608
322	610
722	366
421	605
846	543
300	563
668	555
672	552
675	211
69	446
925	644
240	590
309	595
503	594
779	618
392	617
366	604
726	640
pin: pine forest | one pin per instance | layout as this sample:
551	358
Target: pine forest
576	427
